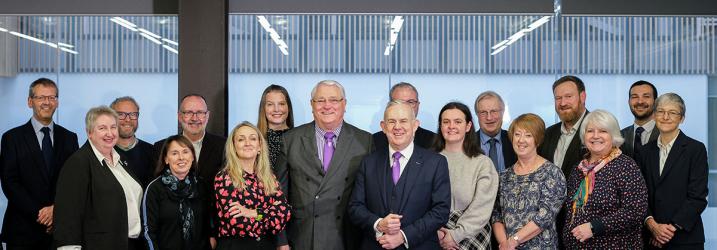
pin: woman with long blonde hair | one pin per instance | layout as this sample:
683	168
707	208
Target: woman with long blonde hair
251	207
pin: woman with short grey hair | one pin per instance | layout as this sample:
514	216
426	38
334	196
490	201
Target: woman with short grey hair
98	198
607	196
675	169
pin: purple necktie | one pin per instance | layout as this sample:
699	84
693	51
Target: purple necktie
328	149
396	167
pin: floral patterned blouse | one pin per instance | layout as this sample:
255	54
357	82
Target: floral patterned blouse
616	208
276	212
535	197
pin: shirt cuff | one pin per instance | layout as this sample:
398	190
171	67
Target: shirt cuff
375	228
646	219
405	240
70	247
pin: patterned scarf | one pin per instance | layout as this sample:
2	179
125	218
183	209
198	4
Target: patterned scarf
585	189
182	191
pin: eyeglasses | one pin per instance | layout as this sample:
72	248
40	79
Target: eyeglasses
199	114
41	98
322	102
670	114
411	102
485	113
131	115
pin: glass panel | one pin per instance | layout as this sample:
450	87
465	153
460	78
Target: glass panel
93	60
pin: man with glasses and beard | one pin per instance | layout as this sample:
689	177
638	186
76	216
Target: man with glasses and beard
642	105
137	152
193	116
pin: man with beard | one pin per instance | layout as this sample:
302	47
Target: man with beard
193	116
137	152
561	145
31	157
642	105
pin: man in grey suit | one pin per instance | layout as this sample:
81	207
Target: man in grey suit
642	105
317	168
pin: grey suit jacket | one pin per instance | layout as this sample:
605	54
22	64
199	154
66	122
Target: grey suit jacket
319	217
629	134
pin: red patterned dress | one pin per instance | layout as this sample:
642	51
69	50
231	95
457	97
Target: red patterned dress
274	209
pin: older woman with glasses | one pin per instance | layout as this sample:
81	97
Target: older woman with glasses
675	169
607	197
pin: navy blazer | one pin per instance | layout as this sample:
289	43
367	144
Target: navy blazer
425	203
27	183
679	195
509	157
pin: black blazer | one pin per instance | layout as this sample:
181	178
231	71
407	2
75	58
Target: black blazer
629	134
27	183
90	208
424	203
679	195
211	158
140	160
423	138
576	150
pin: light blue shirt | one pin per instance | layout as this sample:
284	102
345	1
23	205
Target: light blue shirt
485	145
36	126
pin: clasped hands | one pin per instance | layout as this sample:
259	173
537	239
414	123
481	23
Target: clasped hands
446	240
390	226
661	233
45	217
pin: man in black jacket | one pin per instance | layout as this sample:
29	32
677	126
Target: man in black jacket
407	93
193	115
31	158
139	153
562	141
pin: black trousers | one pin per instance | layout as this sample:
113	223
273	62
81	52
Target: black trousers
265	243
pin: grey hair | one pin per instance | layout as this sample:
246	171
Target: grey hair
395	103
674	99
124	99
605	120
328	83
403	85
96	112
488	94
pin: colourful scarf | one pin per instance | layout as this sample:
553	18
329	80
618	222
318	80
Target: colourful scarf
582	194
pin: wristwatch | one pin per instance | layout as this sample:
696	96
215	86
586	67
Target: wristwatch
515	237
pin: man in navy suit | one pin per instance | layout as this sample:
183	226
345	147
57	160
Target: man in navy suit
31	157
402	195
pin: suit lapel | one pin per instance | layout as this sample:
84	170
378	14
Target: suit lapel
410	176
343	146
629	140
308	141
655	133
31	139
206	147
677	149
382	163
